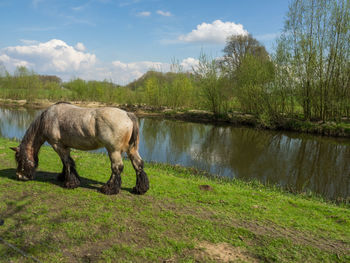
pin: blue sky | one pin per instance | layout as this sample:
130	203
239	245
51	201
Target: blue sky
121	39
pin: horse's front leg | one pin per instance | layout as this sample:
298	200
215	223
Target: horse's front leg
69	174
62	176
115	181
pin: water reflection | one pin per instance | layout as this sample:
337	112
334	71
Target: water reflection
300	162
14	122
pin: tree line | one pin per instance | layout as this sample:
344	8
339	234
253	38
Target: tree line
307	76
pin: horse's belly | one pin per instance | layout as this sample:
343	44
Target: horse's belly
82	143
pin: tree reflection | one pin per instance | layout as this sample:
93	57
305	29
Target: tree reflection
14	122
295	161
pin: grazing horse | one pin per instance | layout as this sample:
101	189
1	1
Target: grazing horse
66	126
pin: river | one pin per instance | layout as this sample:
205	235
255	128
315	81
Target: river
298	162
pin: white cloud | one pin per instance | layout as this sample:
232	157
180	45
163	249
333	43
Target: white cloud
80	46
12	63
127	72
163	13
124	73
216	32
52	56
144	13
189	63
56	57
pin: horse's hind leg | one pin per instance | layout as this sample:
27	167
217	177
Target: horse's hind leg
142	183
69	174
115	181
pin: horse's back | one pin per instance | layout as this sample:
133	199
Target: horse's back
87	128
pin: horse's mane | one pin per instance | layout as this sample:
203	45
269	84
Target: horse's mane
32	137
33	129
36	127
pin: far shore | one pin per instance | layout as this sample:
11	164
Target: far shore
332	129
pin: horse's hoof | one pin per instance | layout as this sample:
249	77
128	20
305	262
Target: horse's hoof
23	177
71	185
109	190
138	191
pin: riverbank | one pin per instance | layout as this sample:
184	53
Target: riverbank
333	129
184	217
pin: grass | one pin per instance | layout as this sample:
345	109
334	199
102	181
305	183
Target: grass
175	221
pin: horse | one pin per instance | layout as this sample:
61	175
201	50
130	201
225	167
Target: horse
65	126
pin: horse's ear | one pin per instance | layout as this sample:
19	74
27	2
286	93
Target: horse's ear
16	149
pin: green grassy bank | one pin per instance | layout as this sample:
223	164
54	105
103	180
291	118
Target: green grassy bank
178	220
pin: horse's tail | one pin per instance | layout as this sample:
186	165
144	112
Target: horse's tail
134	139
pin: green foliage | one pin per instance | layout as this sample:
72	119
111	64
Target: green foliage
152	89
25	84
180	92
253	90
236	49
315	50
171	89
213	85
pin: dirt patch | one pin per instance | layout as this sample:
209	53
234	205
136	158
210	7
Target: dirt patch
223	252
205	187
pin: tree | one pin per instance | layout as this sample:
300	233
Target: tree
237	47
152	91
22	71
213	85
316	38
283	85
248	66
253	85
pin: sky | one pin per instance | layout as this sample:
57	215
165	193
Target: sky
119	40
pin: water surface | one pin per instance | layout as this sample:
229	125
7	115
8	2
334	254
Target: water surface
298	161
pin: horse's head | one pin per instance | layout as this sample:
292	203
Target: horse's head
25	166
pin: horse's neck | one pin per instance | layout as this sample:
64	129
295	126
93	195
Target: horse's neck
32	141
32	147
